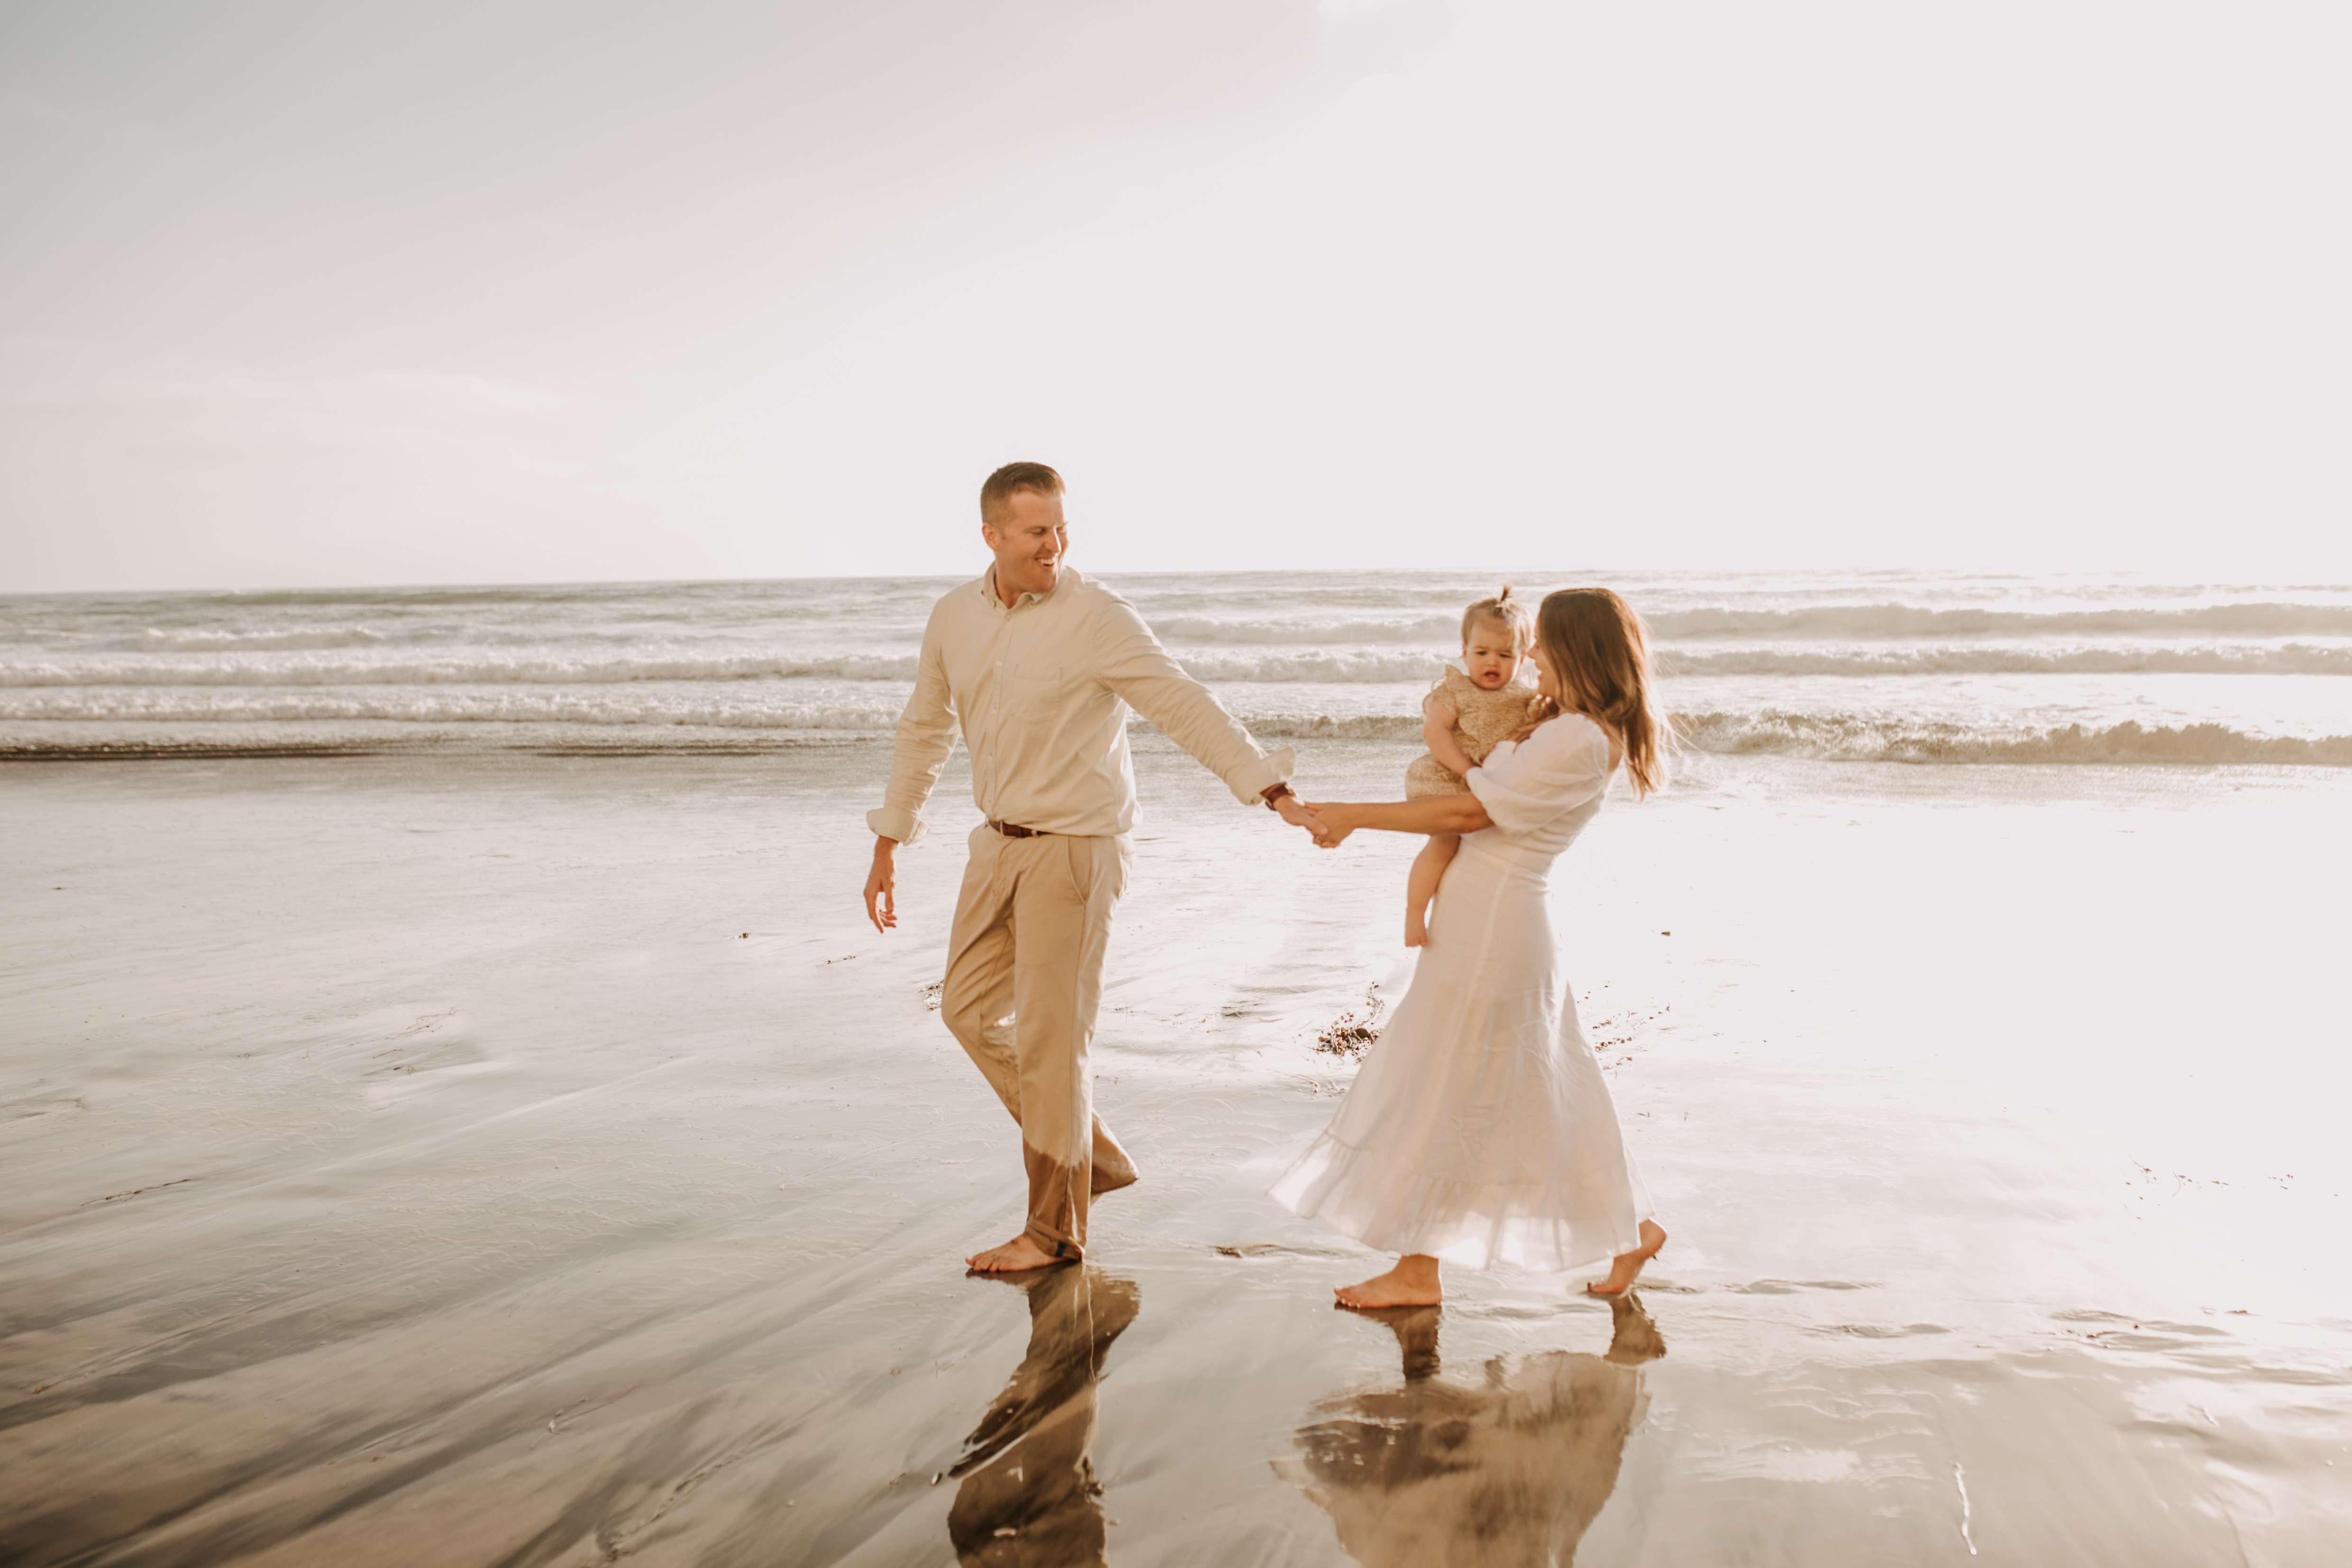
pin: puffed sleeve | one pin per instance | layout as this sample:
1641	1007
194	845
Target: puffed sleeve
1560	767
1444	691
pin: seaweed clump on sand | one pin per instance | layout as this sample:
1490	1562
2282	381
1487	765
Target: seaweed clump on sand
1351	1034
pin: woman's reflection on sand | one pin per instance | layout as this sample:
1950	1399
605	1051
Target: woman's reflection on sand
1029	1498
1511	1470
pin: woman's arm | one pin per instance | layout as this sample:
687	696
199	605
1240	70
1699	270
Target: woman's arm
1431	814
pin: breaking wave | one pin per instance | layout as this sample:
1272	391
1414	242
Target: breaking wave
651	711
469	666
651	708
288	665
1870	738
2294	658
2247	618
1857	737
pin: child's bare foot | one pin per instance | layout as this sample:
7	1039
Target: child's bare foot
1627	1266
1416	928
1015	1257
1411	1283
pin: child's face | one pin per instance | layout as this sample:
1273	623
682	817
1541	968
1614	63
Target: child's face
1491	655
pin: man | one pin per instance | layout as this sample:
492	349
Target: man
1038	666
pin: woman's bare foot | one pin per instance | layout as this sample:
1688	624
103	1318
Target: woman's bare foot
1015	1257
1411	1283
1627	1266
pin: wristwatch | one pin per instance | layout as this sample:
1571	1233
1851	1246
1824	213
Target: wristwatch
1273	792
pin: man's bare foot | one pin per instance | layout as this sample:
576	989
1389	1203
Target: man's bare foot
1411	1283
1627	1266
1015	1257
1416	928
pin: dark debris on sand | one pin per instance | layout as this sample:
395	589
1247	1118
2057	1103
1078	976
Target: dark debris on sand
1352	1035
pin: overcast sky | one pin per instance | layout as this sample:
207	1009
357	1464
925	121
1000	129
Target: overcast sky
314	291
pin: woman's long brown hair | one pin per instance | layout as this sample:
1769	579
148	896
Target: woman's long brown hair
1599	657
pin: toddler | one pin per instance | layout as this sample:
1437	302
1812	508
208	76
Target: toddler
1465	715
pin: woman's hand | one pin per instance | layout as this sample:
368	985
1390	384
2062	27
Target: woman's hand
1430	813
1338	821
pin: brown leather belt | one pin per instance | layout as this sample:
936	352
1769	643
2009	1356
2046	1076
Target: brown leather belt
1011	830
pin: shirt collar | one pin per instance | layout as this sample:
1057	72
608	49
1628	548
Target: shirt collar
995	602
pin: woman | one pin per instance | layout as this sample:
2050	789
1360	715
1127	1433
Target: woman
1480	1129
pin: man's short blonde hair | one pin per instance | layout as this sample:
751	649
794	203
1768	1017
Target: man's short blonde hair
1010	480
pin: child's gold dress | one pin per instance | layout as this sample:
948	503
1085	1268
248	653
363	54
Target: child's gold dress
1481	721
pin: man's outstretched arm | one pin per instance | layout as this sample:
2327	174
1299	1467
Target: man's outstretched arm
1133	663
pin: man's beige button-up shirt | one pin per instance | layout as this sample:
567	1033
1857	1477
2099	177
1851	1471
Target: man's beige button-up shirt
1042	692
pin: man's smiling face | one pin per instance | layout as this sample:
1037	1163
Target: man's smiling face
1029	537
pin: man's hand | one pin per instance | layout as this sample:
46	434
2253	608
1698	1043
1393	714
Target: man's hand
882	885
1296	813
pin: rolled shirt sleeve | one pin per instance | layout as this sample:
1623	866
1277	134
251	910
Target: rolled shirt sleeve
927	730
1563	766
1132	664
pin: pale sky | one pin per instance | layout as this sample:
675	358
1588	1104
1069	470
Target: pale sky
319	293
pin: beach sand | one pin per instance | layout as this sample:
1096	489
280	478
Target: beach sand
536	1161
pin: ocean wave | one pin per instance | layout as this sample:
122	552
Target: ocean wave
1857	737
283	639
2292	659
1324	727
2243	618
1426	631
467	667
618	706
359	663
1833	737
577	667
1821	622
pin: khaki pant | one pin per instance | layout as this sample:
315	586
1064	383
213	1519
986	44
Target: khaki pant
1023	983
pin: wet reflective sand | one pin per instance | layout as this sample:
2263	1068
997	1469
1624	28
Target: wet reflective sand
530	1161
1510	1469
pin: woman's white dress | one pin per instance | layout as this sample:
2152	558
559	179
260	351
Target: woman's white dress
1480	1129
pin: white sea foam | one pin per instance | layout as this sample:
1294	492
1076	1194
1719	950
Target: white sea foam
544	666
1871	621
1832	735
2255	618
1841	737
1963	659
1875	666
573	666
649	706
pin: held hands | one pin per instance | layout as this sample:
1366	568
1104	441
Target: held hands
1328	823
1302	814
1298	813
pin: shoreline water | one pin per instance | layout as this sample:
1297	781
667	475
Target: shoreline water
1919	667
1905	742
499	1158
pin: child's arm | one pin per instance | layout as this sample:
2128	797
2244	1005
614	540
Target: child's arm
1437	734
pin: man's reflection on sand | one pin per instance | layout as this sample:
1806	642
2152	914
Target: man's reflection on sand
1510	1471
1029	1499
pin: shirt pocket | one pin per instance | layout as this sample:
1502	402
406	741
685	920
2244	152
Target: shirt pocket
1034	695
